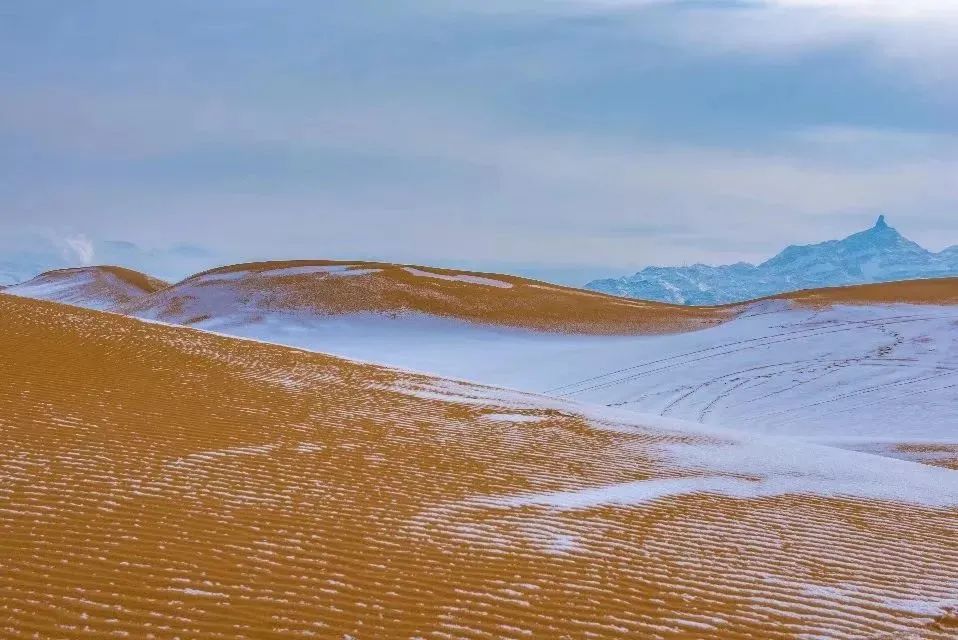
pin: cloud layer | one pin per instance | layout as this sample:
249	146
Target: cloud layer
558	136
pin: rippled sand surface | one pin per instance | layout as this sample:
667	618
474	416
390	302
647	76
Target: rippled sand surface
159	482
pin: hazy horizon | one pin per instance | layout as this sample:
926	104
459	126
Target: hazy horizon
565	139
182	260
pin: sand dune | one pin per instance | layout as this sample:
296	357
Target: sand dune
933	291
873	366
101	287
325	288
322	288
870	367
873	377
163	482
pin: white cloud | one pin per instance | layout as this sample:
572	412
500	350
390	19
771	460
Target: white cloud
511	194
435	154
915	36
77	249
887	10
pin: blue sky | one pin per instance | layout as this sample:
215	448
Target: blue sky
566	139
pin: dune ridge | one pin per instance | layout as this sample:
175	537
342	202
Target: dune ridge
342	288
328	288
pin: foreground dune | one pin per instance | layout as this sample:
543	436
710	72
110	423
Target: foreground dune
159	482
102	287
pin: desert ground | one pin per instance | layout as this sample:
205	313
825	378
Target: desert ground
363	450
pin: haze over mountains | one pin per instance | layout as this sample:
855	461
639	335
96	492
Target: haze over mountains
878	254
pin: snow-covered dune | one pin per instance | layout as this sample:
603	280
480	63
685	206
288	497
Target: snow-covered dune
99	287
844	371
874	367
160	481
319	290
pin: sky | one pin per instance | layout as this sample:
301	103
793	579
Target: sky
561	139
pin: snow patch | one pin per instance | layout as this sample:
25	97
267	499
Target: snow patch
755	467
489	282
341	270
512	417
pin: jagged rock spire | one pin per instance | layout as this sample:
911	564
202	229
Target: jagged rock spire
881	224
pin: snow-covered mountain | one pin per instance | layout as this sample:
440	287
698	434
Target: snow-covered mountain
879	254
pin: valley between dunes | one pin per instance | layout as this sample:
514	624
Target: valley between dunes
780	469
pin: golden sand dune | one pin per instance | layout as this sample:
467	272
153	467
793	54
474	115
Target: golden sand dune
325	288
943	454
341	288
159	482
337	288
102	287
934	291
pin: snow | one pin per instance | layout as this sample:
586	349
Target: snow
779	401
784	466
767	392
749	466
849	373
223	276
922	607
342	270
489	282
76	289
50	289
563	543
745	458
512	417
345	270
201	593
630	493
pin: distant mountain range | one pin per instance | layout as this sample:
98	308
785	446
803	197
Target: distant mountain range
878	254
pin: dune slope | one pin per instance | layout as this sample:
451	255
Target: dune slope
158	481
100	287
874	366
